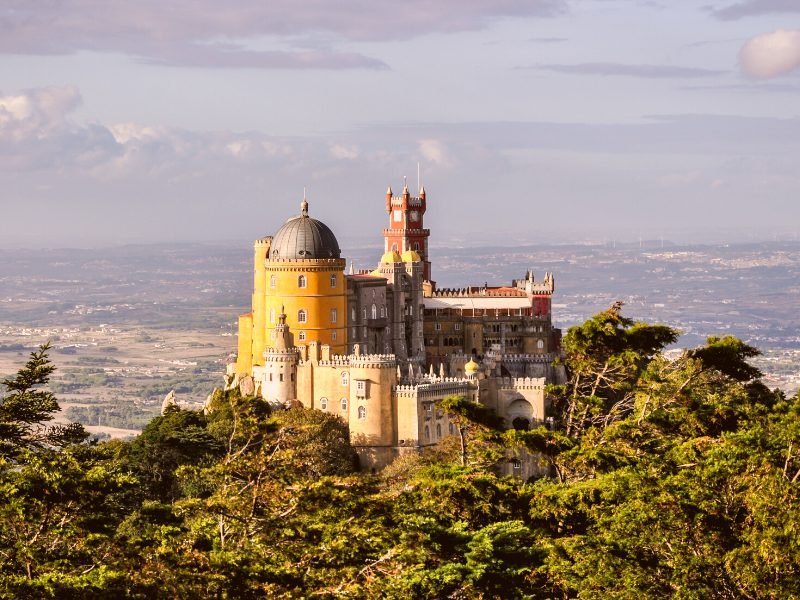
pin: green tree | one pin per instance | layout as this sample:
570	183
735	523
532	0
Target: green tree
26	407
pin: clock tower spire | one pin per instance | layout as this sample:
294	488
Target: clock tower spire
406	230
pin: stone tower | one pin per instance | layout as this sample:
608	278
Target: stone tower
406	230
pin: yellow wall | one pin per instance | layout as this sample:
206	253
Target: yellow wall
259	334
318	299
244	362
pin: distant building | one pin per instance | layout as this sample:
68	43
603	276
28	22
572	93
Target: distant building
379	348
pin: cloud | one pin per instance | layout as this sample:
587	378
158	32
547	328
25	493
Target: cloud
624	70
435	151
209	33
771	54
752	8
344	152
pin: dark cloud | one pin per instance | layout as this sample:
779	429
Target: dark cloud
623	70
752	8
177	32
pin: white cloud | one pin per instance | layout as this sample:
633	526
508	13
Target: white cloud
344	152
771	54
435	152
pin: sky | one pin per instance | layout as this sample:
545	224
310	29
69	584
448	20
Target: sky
528	121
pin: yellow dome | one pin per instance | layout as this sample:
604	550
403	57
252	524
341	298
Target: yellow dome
391	257
471	366
410	256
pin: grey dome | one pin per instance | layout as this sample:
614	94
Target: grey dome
303	237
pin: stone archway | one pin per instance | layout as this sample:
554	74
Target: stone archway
519	414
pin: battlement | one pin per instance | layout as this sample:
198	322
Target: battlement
473	291
449	386
526	358
522	383
412	201
374	361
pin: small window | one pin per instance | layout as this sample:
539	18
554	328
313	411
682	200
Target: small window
364	314
540	344
280	377
360	385
301	336
334	335
353	314
353	332
429	407
302	281
374	312
333	281
416	246
323	404
362	412
427	433
345	378
383	311
438	327
273	281
458	326
516	465
438	431
344	403
450	428
302	316
334	315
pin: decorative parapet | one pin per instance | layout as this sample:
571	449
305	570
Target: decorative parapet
525	358
522	383
278	355
374	361
450	386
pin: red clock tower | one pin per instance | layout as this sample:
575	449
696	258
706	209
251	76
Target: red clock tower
405	231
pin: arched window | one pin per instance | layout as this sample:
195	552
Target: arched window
334	315
302	281
333	281
344	403
302	315
450	428
352	314
383	311
273	281
301	336
345	378
438	431
323	404
374	312
540	344
416	246
364	313
362	412
427	433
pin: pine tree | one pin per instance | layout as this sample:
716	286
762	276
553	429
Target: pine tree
26	408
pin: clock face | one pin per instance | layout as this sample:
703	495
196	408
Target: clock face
414	215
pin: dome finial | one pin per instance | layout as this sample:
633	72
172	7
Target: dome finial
304	205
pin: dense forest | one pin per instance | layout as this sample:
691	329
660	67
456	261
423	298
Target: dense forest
668	478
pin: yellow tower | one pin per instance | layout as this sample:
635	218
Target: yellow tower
298	272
